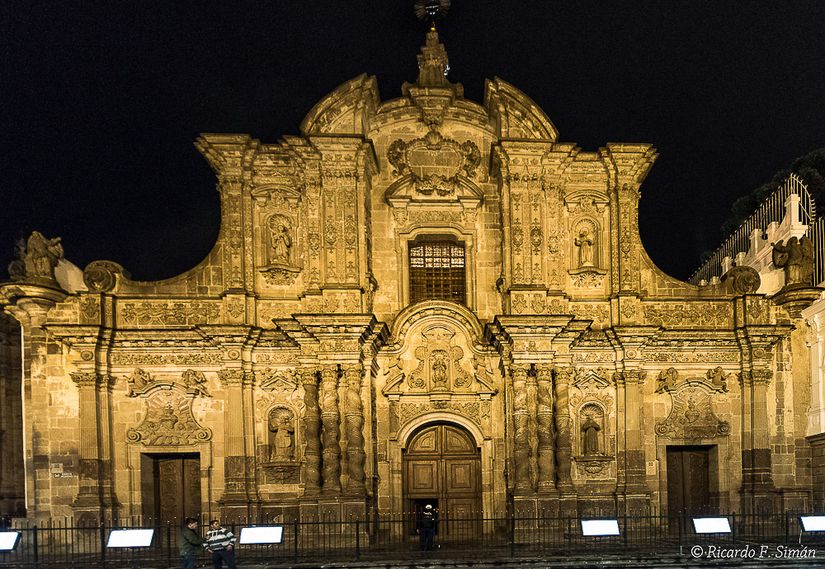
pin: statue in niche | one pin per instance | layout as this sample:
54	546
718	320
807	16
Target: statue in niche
796	258
590	428
282	439
37	257
439	365
585	242
280	241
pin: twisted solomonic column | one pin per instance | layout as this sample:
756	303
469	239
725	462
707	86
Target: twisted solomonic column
312	432
562	415
330	430
521	421
354	424
544	429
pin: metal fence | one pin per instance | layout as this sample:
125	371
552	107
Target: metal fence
770	211
63	544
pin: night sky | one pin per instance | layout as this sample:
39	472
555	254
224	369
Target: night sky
100	102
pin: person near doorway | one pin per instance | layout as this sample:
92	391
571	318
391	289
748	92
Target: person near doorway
221	543
190	543
426	526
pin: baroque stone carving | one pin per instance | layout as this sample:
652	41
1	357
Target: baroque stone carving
195	382
742	280
796	258
591	419
144	358
280	380
692	417
37	258
139	382
170	313
169	422
714	380
434	163
101	276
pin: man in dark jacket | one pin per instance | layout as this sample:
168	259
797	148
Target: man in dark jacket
190	543
427	523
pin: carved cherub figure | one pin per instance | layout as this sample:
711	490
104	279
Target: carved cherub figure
37	257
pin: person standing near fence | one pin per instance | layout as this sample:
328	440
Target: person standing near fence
190	543
221	543
427	522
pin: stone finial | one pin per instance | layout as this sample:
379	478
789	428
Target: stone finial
37	258
433	64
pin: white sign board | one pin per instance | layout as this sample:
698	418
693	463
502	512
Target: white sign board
600	527
8	540
711	525
262	534
130	538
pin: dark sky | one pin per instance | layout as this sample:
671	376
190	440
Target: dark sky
100	102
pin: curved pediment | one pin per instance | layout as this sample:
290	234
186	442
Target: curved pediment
344	111
516	115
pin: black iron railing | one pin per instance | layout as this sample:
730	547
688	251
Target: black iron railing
62	543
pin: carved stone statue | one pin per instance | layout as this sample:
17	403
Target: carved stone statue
280	240
590	436
585	242
282	428
439	366
37	258
796	258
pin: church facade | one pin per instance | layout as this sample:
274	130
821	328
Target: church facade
421	300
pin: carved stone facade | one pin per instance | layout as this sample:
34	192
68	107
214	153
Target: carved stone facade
293	368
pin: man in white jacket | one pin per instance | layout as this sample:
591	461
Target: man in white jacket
221	543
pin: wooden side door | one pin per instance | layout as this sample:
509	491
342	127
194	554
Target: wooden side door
170	487
688	480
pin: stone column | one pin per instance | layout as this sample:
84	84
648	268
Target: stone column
91	477
12	480
234	455
521	421
634	459
330	430
354	415
562	416
312	432
757	479
545	430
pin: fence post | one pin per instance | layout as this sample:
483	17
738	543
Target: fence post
512	533
169	543
103	542
295	540
34	544
787	528
357	539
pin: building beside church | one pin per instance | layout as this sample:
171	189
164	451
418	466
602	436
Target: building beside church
421	300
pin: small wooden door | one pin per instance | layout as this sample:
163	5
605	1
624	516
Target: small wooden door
442	466
688	480
170	487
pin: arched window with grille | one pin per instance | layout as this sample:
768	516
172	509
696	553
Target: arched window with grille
437	269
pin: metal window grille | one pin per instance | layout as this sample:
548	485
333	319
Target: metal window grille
437	271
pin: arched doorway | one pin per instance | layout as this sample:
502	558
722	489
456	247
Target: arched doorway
442	466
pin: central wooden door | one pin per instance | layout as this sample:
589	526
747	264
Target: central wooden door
442	467
170	487
688	480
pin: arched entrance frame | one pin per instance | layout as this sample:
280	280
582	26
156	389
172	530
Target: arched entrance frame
406	433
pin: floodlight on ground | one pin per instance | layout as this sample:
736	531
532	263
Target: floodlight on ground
262	535
711	525
9	540
600	527
130	538
812	523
